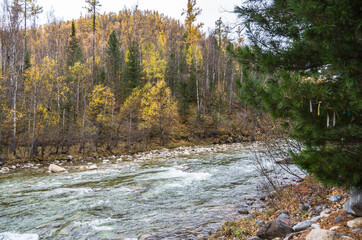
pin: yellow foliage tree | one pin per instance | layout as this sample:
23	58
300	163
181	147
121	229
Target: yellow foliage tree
101	105
159	112
154	110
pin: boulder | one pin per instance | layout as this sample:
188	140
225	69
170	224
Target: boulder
302	225
4	170
355	223
274	229
335	198
322	234
354	204
56	169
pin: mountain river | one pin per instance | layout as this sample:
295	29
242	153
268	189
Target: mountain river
184	193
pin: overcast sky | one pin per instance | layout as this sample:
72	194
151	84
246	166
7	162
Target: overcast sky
211	9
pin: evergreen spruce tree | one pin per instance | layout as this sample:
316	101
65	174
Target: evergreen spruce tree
114	62
74	52
303	64
133	70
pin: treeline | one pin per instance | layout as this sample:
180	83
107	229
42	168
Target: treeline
106	80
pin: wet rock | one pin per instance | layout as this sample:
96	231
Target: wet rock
302	225
338	219
354	204
273	229
56	169
335	198
321	234
260	223
355	223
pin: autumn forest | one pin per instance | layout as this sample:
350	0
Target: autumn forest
128	80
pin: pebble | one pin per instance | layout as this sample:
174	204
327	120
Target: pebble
338	219
333	228
335	198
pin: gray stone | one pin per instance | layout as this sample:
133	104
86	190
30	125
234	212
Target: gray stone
302	225
254	238
284	218
347	207
338	219
315	219
335	198
260	223
319	209
357	230
315	226
321	234
356	202
274	229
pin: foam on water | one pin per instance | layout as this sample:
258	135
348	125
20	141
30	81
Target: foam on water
18	236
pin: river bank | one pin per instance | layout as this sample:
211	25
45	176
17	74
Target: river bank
137	157
302	208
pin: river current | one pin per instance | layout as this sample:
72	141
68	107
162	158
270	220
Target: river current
171	196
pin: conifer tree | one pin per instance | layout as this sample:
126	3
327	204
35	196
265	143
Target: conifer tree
114	62
74	53
133	70
303	65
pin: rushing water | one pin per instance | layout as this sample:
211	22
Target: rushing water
177	198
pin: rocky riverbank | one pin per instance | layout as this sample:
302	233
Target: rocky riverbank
306	210
82	163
